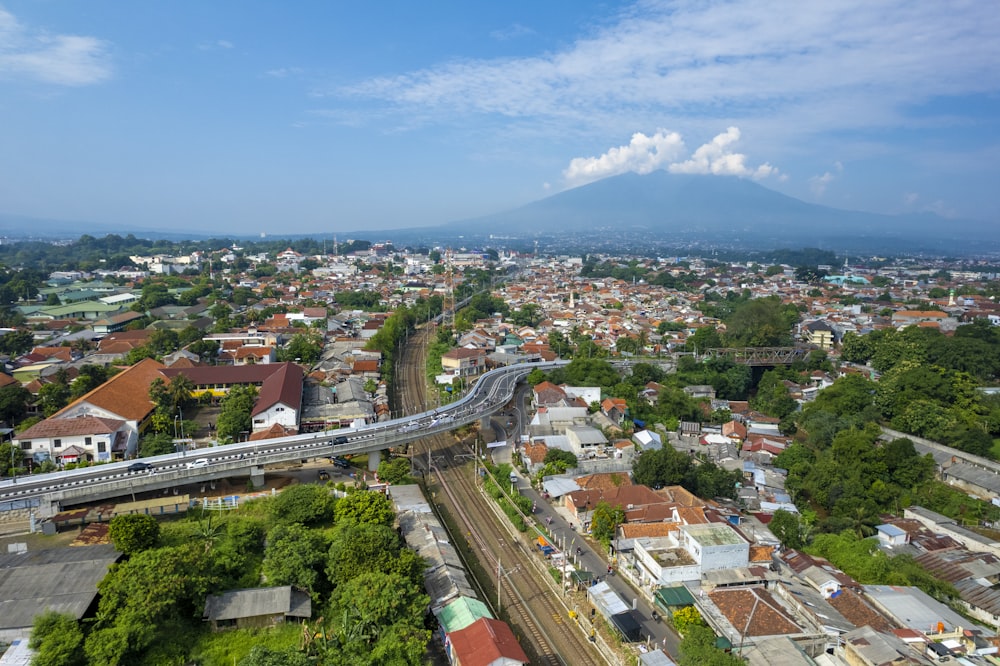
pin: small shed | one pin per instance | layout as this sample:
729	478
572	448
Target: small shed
890	535
257	607
673	598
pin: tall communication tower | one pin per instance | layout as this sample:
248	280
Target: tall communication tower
449	295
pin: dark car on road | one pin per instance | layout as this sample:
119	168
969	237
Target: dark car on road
343	463
340	440
140	466
324	475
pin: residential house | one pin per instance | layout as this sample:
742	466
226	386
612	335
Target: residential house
279	400
257	607
124	397
818	333
548	394
463	362
615	409
486	642
72	440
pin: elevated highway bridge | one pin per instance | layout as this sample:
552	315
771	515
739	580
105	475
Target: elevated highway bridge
50	493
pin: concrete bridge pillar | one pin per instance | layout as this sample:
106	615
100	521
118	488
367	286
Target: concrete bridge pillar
374	458
257	476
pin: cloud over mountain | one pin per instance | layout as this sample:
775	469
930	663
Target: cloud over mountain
645	154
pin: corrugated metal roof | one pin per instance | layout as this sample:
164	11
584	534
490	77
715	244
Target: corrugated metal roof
677	595
460	613
258	601
63	579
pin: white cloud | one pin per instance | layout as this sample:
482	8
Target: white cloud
283	72
802	67
941	208
910	199
818	183
68	60
643	154
514	31
217	44
715	157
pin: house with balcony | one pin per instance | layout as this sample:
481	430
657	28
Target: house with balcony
463	362
110	416
81	439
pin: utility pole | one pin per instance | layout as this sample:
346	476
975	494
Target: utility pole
499	579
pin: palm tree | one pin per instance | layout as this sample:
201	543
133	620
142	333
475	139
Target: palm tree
179	390
642	340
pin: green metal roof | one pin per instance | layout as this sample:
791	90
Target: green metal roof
677	595
462	612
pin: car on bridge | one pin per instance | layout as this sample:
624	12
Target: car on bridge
140	466
200	462
340	440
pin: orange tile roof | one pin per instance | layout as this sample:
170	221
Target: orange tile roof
125	394
650	530
61	353
486	641
768	619
680	495
536	451
605	480
86	425
694	515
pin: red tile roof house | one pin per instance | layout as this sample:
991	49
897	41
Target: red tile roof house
83	439
463	362
614	409
547	393
112	415
280	388
485	642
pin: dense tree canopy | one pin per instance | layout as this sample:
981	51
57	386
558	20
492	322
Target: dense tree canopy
667	467
57	640
305	504
134	532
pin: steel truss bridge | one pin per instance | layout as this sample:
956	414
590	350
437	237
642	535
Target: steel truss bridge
755	356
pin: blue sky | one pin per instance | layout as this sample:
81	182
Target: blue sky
245	116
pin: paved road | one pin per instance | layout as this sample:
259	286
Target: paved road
596	562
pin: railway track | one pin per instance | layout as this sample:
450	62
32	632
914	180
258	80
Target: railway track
529	602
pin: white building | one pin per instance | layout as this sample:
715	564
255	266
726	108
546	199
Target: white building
715	546
687	553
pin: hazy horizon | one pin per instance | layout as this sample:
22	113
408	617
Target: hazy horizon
318	118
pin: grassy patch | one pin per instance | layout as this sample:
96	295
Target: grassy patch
224	648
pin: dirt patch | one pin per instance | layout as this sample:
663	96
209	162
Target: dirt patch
39	541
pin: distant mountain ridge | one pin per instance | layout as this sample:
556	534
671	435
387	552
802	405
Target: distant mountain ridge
713	206
685	210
